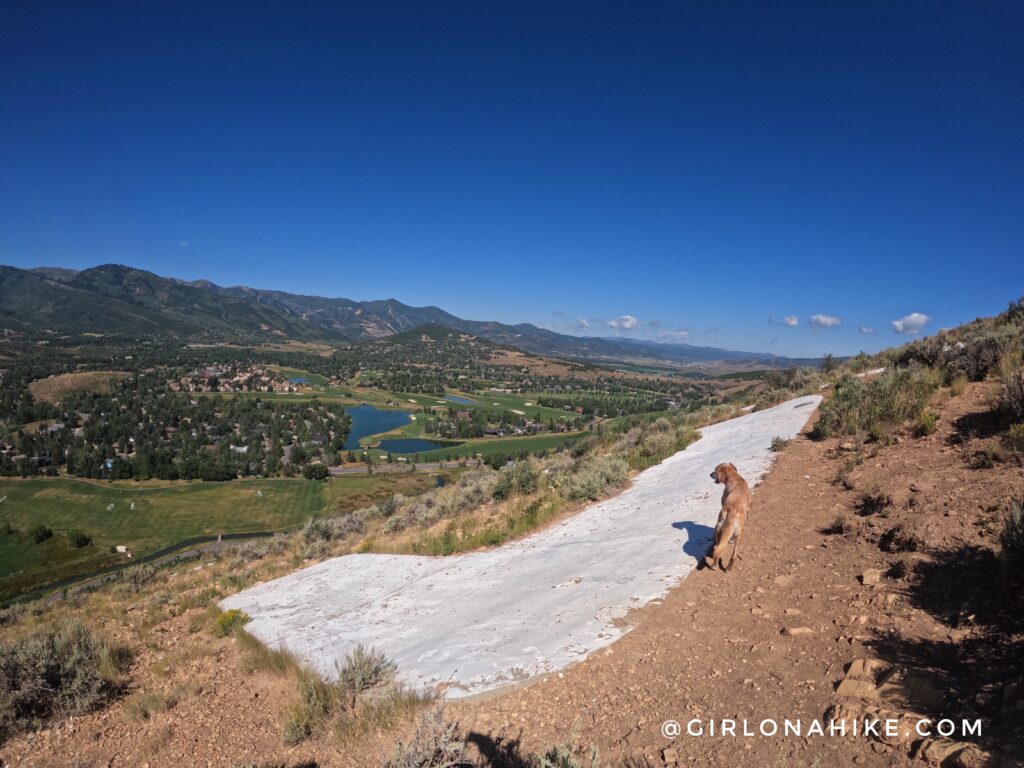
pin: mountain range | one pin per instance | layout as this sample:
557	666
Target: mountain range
121	300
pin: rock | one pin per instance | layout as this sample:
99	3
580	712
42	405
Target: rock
972	757
793	611
784	581
952	754
797	631
857	689
871	577
670	756
909	687
866	668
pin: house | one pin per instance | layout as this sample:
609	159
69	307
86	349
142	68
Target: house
240	449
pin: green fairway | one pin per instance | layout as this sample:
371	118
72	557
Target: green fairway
501	445
312	379
162	516
525	404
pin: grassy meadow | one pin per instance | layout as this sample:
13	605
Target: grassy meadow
163	515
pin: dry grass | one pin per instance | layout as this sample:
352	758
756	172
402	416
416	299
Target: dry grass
53	388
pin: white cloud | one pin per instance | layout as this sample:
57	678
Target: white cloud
912	323
825	321
791	320
674	336
183	243
625	322
866	331
583	324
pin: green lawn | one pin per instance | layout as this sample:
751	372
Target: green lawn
162	516
491	401
491	445
312	379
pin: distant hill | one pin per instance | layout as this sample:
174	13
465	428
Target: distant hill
116	299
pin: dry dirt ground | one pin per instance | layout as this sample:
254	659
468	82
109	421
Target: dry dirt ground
901	613
53	388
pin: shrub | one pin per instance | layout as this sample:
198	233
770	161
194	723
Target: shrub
958	385
840	525
320	700
567	756
143	705
1014	438
135	577
364	668
1012	395
387	507
316	472
317	700
987	457
974	358
901	538
256	549
876	407
316	529
229	621
435	744
900	569
873	502
330	528
55	672
40	533
926	423
779	444
591	478
521	477
1012	537
77	539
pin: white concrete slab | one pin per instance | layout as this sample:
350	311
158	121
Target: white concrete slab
483	620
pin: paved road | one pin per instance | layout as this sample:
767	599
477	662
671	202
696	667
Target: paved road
395	469
486	619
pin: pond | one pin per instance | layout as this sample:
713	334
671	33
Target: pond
462	400
299	380
367	420
410	445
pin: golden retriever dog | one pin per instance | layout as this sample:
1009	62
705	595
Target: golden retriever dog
735	506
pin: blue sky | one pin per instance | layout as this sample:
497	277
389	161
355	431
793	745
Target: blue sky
679	171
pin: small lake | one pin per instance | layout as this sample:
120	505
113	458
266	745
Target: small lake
462	400
367	420
410	445
299	380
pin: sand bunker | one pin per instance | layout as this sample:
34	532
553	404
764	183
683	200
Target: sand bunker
482	620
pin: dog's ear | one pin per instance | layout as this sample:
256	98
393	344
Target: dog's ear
731	466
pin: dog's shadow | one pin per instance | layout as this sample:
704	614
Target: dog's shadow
699	539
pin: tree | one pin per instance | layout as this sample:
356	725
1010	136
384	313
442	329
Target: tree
78	539
40	533
315	472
